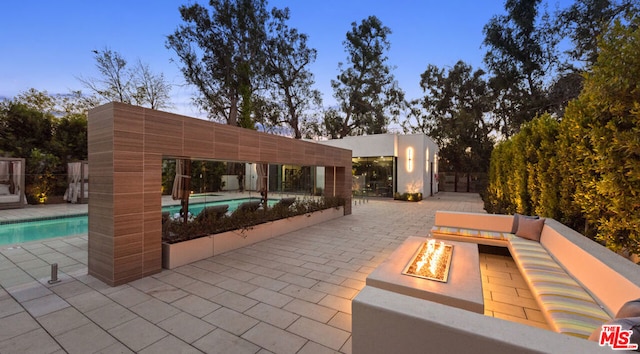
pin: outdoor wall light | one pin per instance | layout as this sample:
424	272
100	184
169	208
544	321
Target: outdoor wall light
409	159
426	161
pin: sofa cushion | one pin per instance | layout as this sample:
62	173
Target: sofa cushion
469	232
516	220
530	228
530	255
572	317
559	277
572	291
629	309
627	323
569	308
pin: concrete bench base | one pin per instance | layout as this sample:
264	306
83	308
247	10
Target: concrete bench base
388	322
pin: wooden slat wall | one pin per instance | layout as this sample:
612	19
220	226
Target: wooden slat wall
126	148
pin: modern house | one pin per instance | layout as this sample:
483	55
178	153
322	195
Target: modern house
384	164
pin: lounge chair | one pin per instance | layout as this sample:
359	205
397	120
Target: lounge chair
213	212
250	206
286	202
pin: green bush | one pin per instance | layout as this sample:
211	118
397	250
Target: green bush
408	197
584	170
176	230
524	175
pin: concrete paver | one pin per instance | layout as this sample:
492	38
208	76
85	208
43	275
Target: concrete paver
290	294
231	321
321	333
138	333
272	315
310	310
186	327
274	339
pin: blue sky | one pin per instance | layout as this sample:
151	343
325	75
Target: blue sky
47	45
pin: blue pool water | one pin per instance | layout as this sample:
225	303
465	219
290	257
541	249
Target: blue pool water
40	229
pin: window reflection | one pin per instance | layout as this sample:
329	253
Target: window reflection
373	176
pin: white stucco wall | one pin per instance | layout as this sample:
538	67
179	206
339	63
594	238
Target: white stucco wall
367	145
413	175
434	151
411	158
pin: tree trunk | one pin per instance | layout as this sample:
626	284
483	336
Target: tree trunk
233	113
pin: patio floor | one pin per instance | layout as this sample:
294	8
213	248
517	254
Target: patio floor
290	294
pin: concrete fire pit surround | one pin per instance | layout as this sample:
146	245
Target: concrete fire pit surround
462	290
126	147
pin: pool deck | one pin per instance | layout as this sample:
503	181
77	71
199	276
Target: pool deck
290	294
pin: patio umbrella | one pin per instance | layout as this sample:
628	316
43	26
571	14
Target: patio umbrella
181	185
262	170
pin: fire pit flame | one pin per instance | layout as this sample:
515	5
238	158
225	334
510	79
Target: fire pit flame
431	261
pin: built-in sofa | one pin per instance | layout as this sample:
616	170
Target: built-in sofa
578	284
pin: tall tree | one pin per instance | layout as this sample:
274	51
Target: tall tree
114	83
133	85
521	54
366	90
565	87
150	89
58	105
585	20
24	128
38	100
222	52
53	124
69	141
455	111
287	71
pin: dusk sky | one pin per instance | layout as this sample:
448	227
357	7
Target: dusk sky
47	45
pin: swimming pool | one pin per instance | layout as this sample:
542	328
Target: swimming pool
76	225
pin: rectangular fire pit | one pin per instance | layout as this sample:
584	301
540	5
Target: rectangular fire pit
431	261
462	289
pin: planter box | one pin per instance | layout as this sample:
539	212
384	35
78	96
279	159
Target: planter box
181	253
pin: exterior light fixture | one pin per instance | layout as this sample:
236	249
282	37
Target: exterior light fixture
426	160
409	159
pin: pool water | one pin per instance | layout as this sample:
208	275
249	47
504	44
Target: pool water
196	208
41	229
36	230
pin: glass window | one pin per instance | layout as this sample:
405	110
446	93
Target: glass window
373	176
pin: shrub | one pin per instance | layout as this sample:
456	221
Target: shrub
177	231
583	170
408	197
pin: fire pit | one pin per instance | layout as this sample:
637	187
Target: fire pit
431	261
462	288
